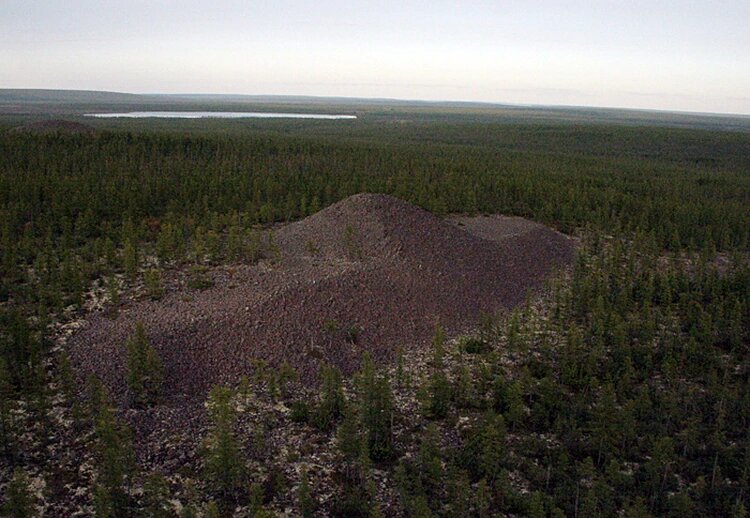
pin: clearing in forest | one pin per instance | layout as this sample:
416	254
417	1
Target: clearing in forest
370	273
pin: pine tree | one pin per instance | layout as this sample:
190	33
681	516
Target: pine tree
286	375
402	376
305	501
20	349
515	410
491	445
255	498
348	437
103	505
145	369
156	496
332	400
439	390
153	284
376	410
130	259
67	378
429	462
115	460
462	392
482	499
69	390
223	461
439	395
438	348
7	421
604	424
589	504
98	398
484	451
212	510
536	506
19	500
459	492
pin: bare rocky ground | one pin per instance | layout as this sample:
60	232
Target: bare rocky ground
370	273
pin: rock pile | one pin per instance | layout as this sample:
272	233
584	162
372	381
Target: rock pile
370	273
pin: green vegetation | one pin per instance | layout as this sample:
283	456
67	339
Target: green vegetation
224	466
75	206
332	401
145	371
624	391
19	502
115	459
375	411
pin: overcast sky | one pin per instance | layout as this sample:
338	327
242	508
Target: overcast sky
672	55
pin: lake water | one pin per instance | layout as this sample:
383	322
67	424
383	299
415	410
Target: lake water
220	115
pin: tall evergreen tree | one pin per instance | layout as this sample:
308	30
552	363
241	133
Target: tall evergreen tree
145	370
19	500
376	410
223	460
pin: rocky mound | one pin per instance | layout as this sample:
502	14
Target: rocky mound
55	125
370	273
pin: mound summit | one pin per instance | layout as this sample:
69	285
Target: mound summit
370	273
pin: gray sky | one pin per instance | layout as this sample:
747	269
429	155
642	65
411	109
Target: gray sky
673	55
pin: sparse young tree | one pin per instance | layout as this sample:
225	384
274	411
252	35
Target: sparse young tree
376	410
348	436
155	497
7	420
130	261
429	462
103	505
153	284
145	370
19	500
223	460
438	390
305	501
484	450
115	462
332	400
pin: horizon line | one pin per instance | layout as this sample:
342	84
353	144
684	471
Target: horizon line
394	99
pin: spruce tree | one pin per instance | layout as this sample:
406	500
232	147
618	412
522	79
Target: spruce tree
130	259
7	420
19	500
536	506
376	410
332	399
103	505
223	461
155	497
145	370
305	501
348	437
483	499
429	462
438	387
115	460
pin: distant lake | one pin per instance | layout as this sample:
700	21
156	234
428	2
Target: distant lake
219	115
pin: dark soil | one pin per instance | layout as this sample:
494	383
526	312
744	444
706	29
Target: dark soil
370	273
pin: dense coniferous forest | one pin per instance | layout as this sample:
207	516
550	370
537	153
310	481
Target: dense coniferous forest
622	390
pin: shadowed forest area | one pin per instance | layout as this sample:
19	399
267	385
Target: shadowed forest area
622	388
